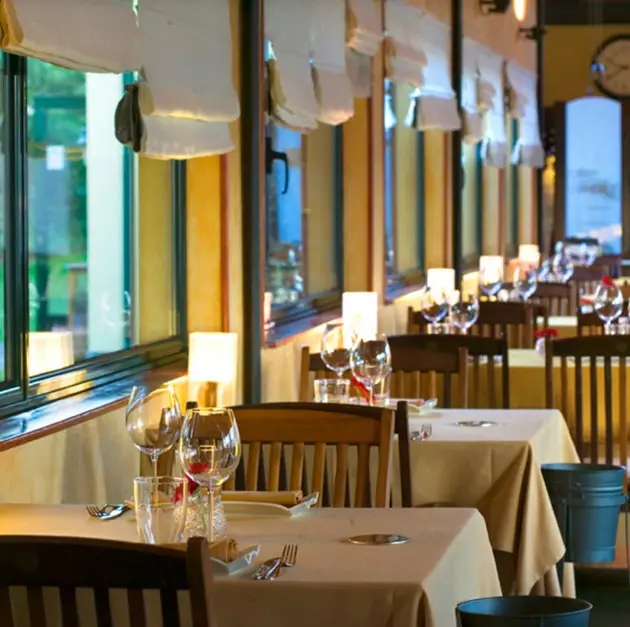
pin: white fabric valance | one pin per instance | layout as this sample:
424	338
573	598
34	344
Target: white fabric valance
405	59
473	118
364	29
191	77
293	101
517	79
434	105
333	89
529	150
84	35
494	151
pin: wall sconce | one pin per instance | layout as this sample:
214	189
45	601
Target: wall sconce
212	367
529	254
494	6
441	279
491	267
360	313
520	9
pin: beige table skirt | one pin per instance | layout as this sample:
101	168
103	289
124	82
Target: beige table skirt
447	560
497	470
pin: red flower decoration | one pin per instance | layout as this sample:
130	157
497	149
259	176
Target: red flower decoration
360	387
194	469
546	333
608	282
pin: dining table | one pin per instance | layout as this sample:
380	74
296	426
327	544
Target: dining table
448	559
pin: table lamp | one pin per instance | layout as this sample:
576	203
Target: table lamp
441	280
529	254
491	267
360	313
212	368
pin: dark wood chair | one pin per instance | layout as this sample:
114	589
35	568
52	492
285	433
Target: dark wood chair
514	321
556	297
589	323
411	363
602	356
295	426
484	354
69	564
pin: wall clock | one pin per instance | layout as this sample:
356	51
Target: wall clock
611	67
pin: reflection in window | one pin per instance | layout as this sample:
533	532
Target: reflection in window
86	294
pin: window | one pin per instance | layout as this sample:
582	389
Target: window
511	193
96	241
404	191
472	205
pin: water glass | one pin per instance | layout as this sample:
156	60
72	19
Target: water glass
434	307
525	281
608	304
381	389
160	504
370	361
331	390
490	281
464	311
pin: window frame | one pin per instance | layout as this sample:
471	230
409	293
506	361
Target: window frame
512	248
18	392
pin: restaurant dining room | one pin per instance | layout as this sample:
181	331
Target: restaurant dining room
317	315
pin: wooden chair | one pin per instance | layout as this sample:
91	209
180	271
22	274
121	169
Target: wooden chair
483	354
556	297
296	425
514	321
411	360
596	353
69	564
584	281
591	324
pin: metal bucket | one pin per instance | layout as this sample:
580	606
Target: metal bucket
524	612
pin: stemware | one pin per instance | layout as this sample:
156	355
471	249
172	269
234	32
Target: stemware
370	361
153	420
335	348
562	267
434	307
525	281
209	452
490	281
608	304
544	271
464	311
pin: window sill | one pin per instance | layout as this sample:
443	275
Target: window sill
290	331
399	292
68	412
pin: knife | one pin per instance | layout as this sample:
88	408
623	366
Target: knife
268	570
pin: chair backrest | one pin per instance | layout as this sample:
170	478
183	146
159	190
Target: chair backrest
584	281
411	360
290	427
603	356
556	297
71	564
486	356
513	321
590	323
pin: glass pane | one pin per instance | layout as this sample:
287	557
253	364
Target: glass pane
85	228
470	194
2	218
593	171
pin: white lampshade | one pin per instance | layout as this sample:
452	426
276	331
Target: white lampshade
529	253
360	312
441	280
491	266
213	357
49	350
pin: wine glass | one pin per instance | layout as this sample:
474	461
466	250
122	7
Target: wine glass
608	304
370	361
544	272
562	267
490	281
434	307
525	281
153	420
464	311
335	348
209	452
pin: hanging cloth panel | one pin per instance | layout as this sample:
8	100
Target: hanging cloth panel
292	91
333	89
517	79
405	59
529	150
192	78
434	105
472	117
364	34
494	150
83	35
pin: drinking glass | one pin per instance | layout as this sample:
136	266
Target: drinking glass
160	504
490	282
525	281
381	389
370	361
464	311
153	420
562	267
543	273
331	390
209	452
608	304
335	347
434	307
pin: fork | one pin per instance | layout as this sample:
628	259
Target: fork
107	512
426	430
288	557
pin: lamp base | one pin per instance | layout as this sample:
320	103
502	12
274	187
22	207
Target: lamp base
208	394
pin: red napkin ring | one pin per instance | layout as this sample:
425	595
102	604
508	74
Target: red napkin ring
608	282
546	333
360	387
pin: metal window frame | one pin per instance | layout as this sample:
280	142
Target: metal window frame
18	393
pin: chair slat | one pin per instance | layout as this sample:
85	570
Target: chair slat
297	466
319	466
275	458
341	476
102	606
253	461
6	612
608	410
593	398
170	607
36	605
623	413
135	600
361	494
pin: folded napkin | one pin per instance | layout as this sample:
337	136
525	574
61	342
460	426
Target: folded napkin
286	498
84	35
224	550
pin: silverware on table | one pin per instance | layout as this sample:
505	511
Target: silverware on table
270	569
289	555
107	512
424	433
